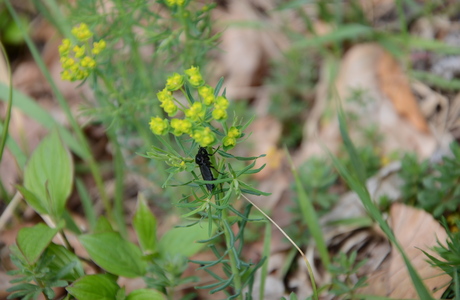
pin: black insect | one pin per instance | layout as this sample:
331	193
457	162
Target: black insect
203	161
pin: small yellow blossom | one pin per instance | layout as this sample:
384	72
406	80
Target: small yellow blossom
219	114
229	142
64	47
194	76
181	126
196	112
82	32
67	62
98	47
169	107
207	94
234	132
88	62
159	126
164	95
79	51
203	136
174	82
221	102
171	3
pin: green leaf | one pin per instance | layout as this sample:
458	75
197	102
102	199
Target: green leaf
64	263
36	112
32	200
114	254
183	240
146	294
94	287
49	175
145	225
32	241
345	32
103	225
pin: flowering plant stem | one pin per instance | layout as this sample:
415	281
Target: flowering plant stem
231	254
95	171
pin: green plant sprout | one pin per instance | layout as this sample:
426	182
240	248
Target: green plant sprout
201	121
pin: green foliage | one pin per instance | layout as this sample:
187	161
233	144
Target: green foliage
448	260
92	287
114	254
47	186
345	281
436	189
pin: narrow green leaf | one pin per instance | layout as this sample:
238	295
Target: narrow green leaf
345	32
49	175
32	241
94	287
183	240
146	294
114	254
359	187
36	112
145	225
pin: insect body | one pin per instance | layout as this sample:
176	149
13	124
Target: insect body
202	160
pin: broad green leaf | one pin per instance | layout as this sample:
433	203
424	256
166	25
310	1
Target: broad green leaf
94	287
183	240
32	241
65	263
145	224
146	294
33	200
49	175
103	225
114	254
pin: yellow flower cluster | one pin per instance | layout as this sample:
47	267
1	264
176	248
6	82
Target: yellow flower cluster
76	61
171	3
198	115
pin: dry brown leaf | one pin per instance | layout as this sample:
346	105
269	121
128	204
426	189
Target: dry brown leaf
359	72
416	230
395	85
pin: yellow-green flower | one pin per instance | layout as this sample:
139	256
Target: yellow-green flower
88	62
169	107
64	47
207	94
82	32
203	136
221	102
164	95
171	3
181	126
196	112
219	114
79	51
229	142
234	132
67	62
194	76
98	47
174	82
159	126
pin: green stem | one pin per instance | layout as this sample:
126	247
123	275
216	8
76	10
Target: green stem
231	254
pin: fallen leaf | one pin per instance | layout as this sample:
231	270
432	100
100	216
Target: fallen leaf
395	85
